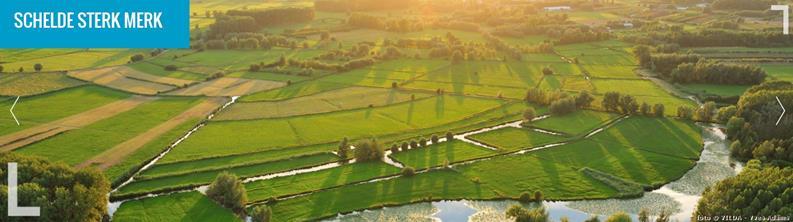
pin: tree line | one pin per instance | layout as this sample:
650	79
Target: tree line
254	20
361	5
692	68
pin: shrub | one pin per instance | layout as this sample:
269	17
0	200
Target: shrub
405	146
538	196
408	171
434	139
261	214
38	67
449	136
521	214
529	114
414	144
619	217
171	68
525	197
228	191
343	149
394	148
658	110
423	142
136	58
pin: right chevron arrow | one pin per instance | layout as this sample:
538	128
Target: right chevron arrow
783	110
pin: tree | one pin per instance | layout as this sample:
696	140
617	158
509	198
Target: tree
62	192
525	197
658	110
529	114
619	217
584	99
228	191
644	109
685	112
538	196
611	101
261	213
344	149
38	67
449	136
434	139
521	214
563	106
369	150
705	112
756	191
547	70
642	54
628	104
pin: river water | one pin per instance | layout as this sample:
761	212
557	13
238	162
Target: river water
679	197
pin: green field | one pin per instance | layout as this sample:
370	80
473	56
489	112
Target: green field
158	70
577	123
779	71
336	100
512	139
151	183
69	59
93	139
36	110
33	84
191	206
718	90
440	154
324	179
230	137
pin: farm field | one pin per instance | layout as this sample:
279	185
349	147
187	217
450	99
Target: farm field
360	110
22	85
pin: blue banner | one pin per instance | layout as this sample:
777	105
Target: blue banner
94	23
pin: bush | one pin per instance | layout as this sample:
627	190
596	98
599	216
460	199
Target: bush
423	142
228	191
408	171
344	149
434	139
171	68
538	196
449	136
261	214
529	114
658	110
619	217
405	146
414	144
394	148
136	58
525	197
521	214
38	67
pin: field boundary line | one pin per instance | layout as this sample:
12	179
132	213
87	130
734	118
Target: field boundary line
117	153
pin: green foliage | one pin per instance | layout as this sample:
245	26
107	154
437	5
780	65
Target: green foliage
529	114
521	214
408	171
619	217
228	191
261	213
344	149
369	150
62	193
754	192
563	106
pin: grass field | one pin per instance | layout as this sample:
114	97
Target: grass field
36	110
712	89
149	150
338	176
228	86
150	183
154	69
670	137
441	153
229	137
91	140
61	60
779	71
34	83
512	139
630	87
580	122
190	206
336	100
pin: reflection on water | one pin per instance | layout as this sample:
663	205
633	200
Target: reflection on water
679	196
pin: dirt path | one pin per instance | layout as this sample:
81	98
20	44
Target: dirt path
25	137
119	152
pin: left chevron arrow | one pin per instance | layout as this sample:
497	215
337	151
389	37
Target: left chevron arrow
12	110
